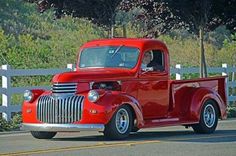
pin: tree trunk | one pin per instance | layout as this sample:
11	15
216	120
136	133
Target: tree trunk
124	31
112	25
203	68
112	31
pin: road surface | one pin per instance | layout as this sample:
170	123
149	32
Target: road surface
168	141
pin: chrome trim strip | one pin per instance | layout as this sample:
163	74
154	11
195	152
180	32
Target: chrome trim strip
56	111
60	111
63	127
81	107
67	88
63	90
61	84
66	110
69	108
64	87
76	109
73	108
52	111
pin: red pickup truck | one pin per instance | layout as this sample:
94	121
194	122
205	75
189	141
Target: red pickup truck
120	86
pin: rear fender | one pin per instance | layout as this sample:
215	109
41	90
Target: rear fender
199	97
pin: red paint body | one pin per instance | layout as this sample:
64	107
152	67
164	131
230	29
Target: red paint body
154	98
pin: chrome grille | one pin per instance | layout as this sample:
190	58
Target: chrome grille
69	88
60	110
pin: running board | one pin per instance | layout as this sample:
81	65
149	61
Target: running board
166	122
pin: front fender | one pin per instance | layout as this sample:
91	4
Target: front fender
29	112
112	100
131	101
199	97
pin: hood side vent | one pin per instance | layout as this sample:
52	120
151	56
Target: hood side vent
64	88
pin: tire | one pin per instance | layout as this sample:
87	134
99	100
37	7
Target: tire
43	135
208	119
120	129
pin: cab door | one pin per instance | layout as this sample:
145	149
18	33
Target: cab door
153	90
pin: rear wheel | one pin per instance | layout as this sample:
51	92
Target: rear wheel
208	119
43	135
120	124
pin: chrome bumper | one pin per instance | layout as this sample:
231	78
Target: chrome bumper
63	127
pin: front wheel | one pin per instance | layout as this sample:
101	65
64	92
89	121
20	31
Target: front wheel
43	135
120	124
208	119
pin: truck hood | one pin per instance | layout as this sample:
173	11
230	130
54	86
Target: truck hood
93	75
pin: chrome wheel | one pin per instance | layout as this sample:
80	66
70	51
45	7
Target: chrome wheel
122	121
120	124
209	115
208	118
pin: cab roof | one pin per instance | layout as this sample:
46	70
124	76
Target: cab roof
142	43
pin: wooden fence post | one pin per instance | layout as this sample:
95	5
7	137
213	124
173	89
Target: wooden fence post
71	67
178	75
6	96
225	73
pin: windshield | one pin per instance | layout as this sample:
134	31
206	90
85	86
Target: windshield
109	56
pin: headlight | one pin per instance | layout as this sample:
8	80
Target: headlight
93	96
28	95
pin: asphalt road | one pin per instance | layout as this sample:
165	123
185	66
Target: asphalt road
168	141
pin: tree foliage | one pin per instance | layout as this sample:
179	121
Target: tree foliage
101	12
156	15
162	16
196	16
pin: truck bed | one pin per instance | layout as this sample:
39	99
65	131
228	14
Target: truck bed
182	92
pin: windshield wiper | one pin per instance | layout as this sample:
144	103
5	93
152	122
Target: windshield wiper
116	51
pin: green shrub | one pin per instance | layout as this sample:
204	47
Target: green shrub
231	112
14	124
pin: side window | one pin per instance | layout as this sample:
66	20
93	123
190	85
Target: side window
154	59
159	59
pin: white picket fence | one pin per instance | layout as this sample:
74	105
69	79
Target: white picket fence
7	90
